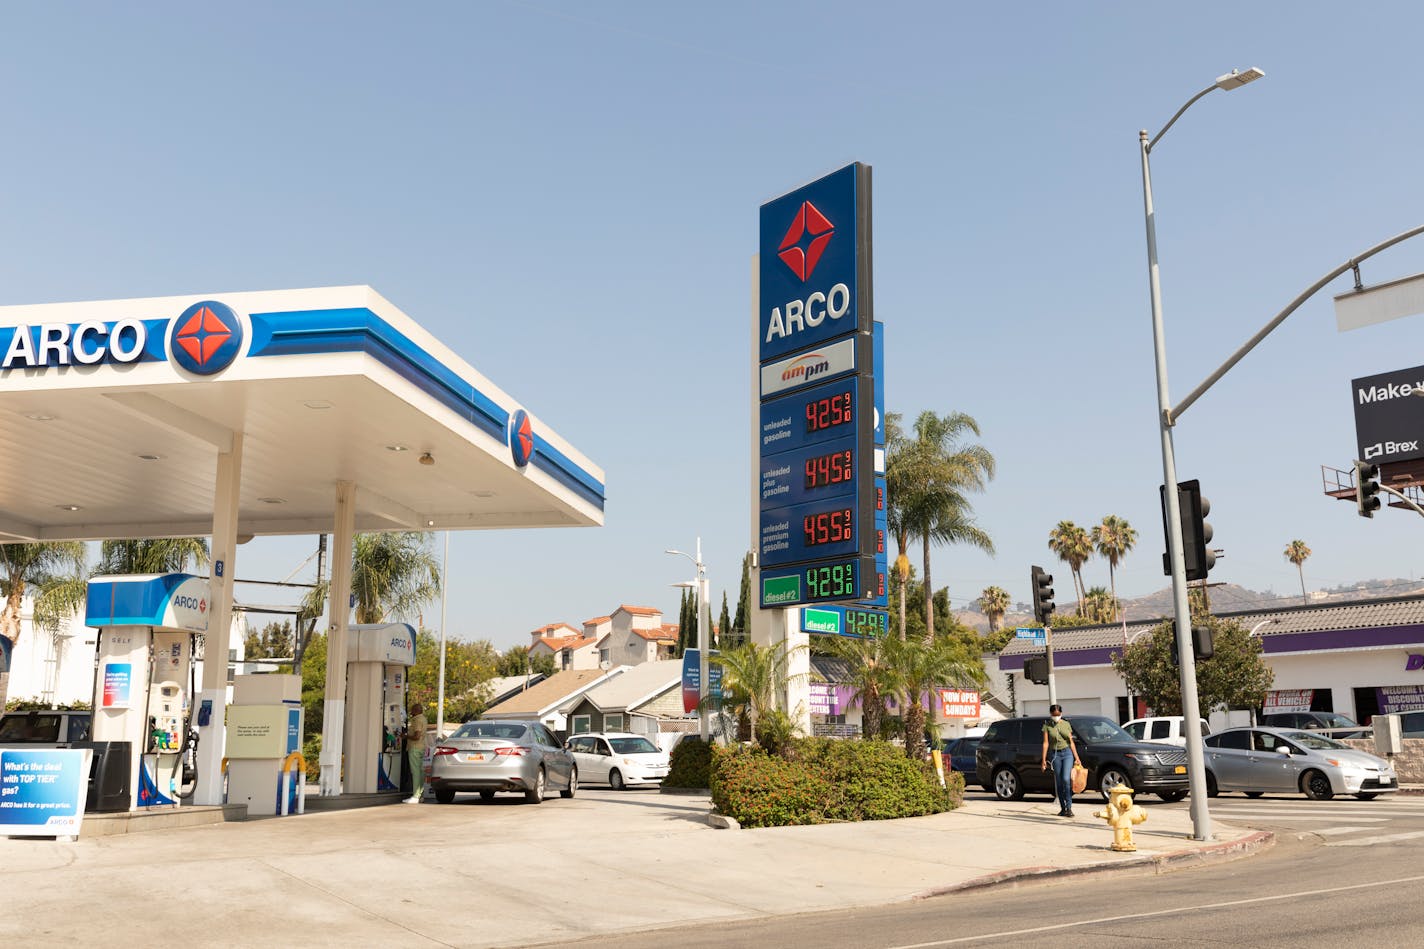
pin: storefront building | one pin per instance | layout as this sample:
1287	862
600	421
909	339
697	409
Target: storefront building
1359	659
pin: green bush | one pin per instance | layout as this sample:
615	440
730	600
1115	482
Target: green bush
689	764
821	780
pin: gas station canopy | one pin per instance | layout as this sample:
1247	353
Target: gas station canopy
113	415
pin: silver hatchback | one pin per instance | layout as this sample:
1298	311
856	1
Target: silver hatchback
494	756
1287	760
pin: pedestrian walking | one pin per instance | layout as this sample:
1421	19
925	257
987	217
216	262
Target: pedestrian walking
1058	741
415	752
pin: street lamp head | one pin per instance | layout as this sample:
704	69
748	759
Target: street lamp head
1236	79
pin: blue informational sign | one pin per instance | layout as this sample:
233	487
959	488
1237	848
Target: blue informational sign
842	579
813	416
814	531
815	263
42	791
1032	633
852	621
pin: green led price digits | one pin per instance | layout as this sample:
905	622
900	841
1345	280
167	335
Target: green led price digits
831	581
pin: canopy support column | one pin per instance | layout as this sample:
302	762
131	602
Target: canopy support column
338	611
223	553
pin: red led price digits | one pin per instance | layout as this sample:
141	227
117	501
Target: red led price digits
829	412
835	468
827	527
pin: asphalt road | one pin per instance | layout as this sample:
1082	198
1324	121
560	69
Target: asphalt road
1342	872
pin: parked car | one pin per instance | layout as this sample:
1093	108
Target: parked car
494	756
1285	761
618	759
1166	729
960	754
1331	723
1007	761
44	727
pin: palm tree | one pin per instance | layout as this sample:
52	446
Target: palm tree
46	567
927	482
1297	553
1074	546
994	601
872	677
756	675
158	555
1099	605
1114	538
393	575
921	666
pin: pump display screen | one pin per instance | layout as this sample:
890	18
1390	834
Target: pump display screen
829	527
831	411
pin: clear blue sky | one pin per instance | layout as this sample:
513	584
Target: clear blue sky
566	194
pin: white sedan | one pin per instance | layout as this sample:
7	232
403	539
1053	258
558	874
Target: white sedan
617	759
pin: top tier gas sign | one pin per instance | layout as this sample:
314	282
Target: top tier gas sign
815	263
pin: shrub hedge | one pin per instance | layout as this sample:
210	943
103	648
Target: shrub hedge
821	780
688	765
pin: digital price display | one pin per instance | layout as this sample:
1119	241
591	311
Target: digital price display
856	621
828	527
830	411
836	467
843	578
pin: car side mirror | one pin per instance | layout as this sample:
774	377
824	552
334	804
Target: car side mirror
1283	750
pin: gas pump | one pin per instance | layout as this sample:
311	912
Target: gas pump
142	682
378	660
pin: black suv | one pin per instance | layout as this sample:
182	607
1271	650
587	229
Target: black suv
1007	761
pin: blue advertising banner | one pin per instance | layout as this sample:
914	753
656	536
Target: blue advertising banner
42	791
815	263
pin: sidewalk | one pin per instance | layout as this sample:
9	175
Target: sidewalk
507	874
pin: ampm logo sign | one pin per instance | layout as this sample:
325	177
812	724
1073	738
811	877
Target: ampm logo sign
206	338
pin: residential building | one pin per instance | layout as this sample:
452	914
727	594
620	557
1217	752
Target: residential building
646	700
569	648
637	635
547	701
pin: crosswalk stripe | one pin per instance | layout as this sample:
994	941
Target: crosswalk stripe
1336	831
1317	819
1371	841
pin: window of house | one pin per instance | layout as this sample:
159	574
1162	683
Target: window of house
581	724
613	723
603	655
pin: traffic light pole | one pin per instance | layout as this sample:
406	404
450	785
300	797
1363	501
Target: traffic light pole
1052	683
1196	758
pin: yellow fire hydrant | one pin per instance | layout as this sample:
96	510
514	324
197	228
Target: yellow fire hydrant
1121	814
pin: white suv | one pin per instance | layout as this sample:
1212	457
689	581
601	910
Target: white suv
1162	729
617	759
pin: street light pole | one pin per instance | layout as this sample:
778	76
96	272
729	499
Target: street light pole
1196	759
702	600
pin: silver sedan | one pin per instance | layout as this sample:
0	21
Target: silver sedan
1286	760
493	756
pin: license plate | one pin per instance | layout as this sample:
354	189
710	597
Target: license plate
1384	779
472	756
1180	769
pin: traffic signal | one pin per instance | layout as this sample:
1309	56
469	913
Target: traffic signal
1367	488
1036	669
1196	532
1043	605
1202	647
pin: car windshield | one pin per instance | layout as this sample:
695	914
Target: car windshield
633	746
1317	742
1331	720
509	731
1093	730
29	727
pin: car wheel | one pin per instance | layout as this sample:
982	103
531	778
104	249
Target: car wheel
487	796
535	795
1007	786
615	780
1171	797
1254	794
1110	777
572	789
1211	789
1367	795
444	795
1316	786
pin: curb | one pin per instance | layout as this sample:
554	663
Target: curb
663	789
1157	863
722	822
